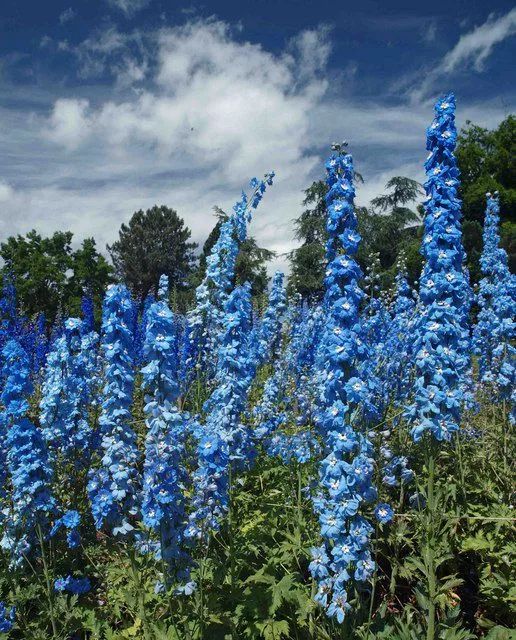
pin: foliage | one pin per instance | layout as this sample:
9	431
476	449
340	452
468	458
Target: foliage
153	243
338	466
487	163
51	277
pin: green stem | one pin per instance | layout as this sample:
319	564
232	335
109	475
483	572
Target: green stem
299	501
458	449
140	596
505	437
373	591
48	581
231	533
430	508
202	623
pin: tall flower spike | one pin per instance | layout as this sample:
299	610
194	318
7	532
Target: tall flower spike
495	330
398	343
344	408
439	332
269	335
112	486
165	475
224	442
66	394
27	458
204	322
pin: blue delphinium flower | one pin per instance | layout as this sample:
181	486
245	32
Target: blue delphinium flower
397	369
88	314
440	359
269	332
224	442
345	406
10	323
112	487
495	329
165	474
204	322
31	500
383	513
140	326
301	446
289	391
7	620
70	522
66	394
76	586
270	412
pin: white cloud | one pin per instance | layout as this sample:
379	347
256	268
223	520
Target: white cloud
477	45
211	111
69	123
430	32
6	191
67	15
216	103
108	52
472	49
129	7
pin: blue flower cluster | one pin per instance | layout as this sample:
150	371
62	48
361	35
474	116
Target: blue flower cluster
224	442
88	314
70	522
165	475
269	333
31	500
204	322
440	360
299	447
346	472
399	340
112	487
495	330
77	586
7	620
66	393
30	334
289	392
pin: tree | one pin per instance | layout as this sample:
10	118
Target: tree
49	276
487	163
250	263
385	228
155	242
307	261
389	224
91	274
39	267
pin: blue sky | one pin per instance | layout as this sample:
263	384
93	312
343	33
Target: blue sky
108	106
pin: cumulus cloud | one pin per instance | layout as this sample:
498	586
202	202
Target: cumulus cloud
210	110
213	111
214	103
69	123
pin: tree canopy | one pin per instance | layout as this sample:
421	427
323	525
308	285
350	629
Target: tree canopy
487	163
153	243
385	227
50	276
